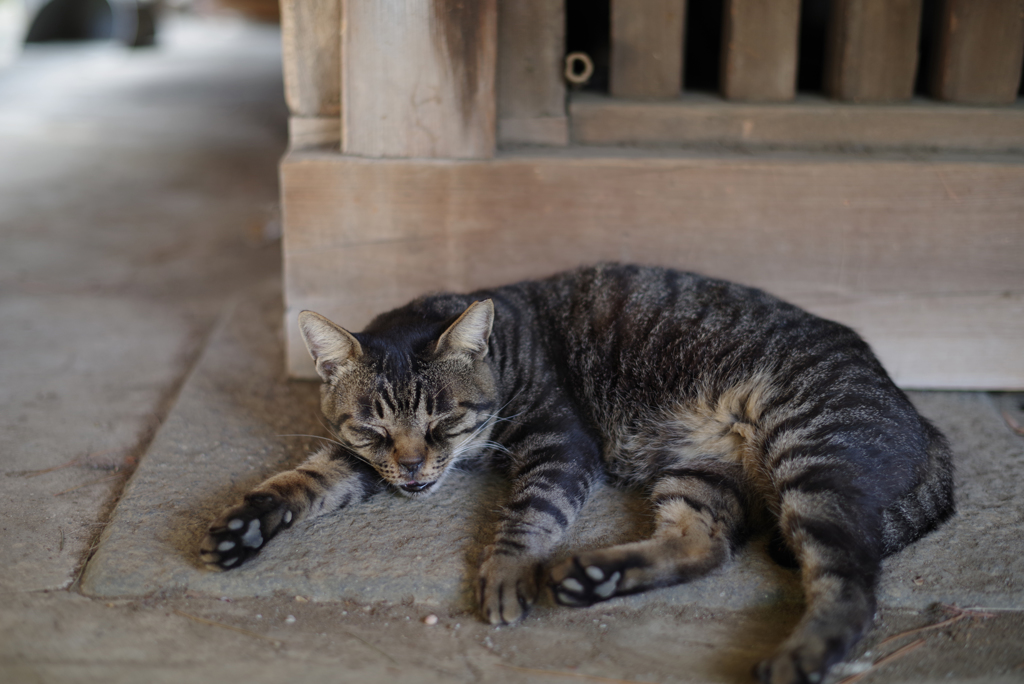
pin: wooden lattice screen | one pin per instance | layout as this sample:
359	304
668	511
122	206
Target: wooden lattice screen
815	54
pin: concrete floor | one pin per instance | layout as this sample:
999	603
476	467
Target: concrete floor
141	388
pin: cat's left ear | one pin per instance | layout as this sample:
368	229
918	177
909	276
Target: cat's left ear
469	335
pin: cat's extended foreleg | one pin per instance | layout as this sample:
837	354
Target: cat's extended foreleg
551	482
327	481
700	516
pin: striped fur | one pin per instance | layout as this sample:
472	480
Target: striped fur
730	407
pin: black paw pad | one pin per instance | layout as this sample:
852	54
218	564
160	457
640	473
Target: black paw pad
584	585
240	533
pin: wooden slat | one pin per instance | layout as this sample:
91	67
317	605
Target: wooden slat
418	78
531	88
808	123
311	55
646	48
980	51
759	50
842	237
872	50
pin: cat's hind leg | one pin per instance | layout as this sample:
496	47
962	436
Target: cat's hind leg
700	517
327	481
836	541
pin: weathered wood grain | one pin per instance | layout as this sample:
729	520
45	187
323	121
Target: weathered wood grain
872	50
311	57
980	51
759	50
647	48
307	132
808	123
418	78
531	89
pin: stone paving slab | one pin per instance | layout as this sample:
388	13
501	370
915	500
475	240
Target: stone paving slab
75	405
224	436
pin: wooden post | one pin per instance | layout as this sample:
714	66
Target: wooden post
418	78
531	88
647	48
759	49
871	50
980	51
311	53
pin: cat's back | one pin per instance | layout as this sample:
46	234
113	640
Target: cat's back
640	332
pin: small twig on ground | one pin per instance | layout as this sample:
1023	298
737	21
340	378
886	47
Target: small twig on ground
985	612
36	473
86	484
221	624
956	618
1014	425
958	615
560	673
60	549
898	653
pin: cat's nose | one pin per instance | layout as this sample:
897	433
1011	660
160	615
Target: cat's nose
411	461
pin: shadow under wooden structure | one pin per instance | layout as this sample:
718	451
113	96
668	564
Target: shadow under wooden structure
435	146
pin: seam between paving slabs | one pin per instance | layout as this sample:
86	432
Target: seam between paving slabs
137	452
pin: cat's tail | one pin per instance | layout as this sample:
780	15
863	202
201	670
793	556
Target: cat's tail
920	510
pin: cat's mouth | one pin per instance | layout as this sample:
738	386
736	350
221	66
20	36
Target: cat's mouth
417	486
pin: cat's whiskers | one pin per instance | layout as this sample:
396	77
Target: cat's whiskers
325	439
327	427
336	441
466	445
503	419
496	446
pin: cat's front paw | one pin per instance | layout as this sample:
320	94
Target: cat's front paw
508	586
243	530
583	581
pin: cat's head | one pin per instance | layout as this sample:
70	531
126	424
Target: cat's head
412	401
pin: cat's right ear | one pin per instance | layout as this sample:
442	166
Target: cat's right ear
468	336
330	345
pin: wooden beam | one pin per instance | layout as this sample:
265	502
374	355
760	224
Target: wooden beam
418	78
980	51
759	50
915	240
311	56
531	88
872	49
809	123
647	48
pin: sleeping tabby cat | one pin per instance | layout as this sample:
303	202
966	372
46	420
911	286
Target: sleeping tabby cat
726	405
